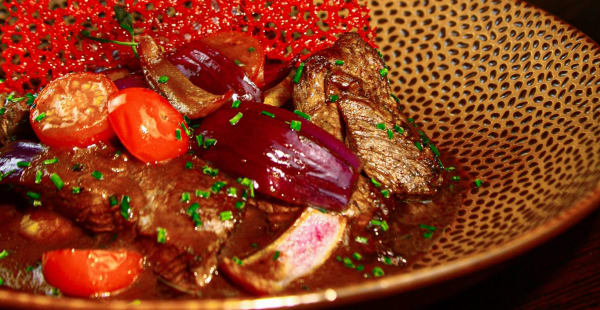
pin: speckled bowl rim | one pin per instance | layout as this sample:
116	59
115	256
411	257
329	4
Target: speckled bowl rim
368	289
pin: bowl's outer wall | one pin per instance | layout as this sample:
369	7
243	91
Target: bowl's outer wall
510	92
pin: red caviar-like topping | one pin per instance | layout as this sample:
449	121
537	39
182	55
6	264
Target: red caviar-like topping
44	42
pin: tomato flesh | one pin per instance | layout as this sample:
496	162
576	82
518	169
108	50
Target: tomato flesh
243	49
86	273
147	125
71	110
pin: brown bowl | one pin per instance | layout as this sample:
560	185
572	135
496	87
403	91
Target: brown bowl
509	91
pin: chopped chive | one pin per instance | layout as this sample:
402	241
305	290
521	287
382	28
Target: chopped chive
357	256
196	219
77	167
37	203
58	182
322	210
378	272
161	235
113	201
428	234
398	129
381	223
126	207
186	119
203	194
218	186
380	126
298	73
238	63
455	178
29	268
276	255
236	104
2	111
390	134
385	193
50	161
395	98
232	192
450	168
192	209
251	49
209	142
234	120
339	62
40	117
213	172
38	177
163	79
338	258
117	154
199	140
418	145
177	134
1	281
97	175
411	121
295	125
33	195
185	197
383	72
478	183
360	267
189	165
435	150
334	98
30	98
427	227
302	114
362	240
236	260
76	190
226	215
239	205
271	115
348	263
375	182
387	260
185	129
23	164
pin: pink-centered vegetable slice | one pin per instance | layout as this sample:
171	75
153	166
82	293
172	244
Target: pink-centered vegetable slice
305	246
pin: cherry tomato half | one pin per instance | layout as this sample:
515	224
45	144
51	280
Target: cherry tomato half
71	110
88	273
245	50
147	125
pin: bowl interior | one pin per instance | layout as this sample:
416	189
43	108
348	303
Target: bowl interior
512	95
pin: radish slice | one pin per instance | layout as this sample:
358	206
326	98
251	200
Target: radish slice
298	252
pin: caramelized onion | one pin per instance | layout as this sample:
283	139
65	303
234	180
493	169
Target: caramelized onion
306	166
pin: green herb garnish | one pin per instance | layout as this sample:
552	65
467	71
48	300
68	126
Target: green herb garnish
383	72
302	114
478	183
226	215
213	172
23	164
339	62
378	272
50	161
236	104
234	120
58	182
97	175
361	240
276	255
215	188
161	235
76	190
185	197
178	134
295	125
125	207
298	74
334	98
163	79
38	177
269	114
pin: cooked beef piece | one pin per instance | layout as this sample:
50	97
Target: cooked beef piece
158	200
355	97
14	121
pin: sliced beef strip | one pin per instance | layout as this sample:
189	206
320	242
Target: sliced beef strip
14	122
188	258
402	163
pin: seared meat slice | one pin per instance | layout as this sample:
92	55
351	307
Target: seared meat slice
14	120
345	87
148	199
188	257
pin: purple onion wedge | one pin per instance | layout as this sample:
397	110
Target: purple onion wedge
288	157
12	155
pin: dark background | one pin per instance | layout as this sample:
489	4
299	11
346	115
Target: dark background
565	272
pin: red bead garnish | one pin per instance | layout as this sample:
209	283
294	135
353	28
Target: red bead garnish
45	43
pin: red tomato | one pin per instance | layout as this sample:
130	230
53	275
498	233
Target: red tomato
147	125
243	49
87	273
71	110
